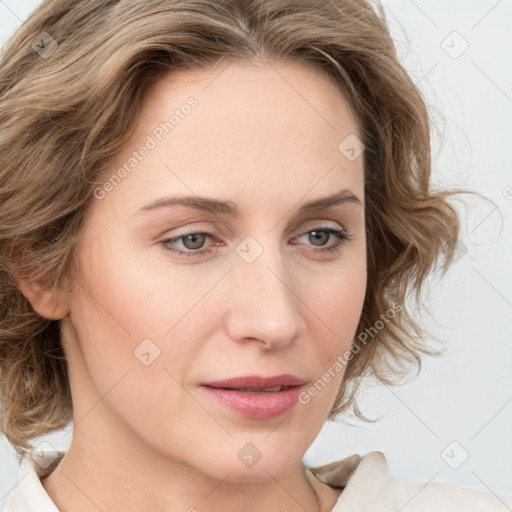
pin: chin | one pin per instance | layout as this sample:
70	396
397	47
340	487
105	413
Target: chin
251	461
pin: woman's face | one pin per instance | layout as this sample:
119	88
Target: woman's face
272	289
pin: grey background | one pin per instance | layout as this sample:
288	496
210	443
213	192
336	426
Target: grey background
461	404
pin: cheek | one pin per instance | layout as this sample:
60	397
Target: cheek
124	356
129	297
339	305
127	314
338	301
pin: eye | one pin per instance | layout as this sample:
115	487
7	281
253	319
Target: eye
191	241
194	242
319	236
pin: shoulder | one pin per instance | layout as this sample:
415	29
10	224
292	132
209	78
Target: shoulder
445	497
368	485
29	494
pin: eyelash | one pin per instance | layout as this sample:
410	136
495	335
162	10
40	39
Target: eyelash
342	237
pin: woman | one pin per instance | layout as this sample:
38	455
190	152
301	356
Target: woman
203	204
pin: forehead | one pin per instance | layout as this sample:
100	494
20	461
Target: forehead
254	131
271	91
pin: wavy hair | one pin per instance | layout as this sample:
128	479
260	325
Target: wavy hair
71	83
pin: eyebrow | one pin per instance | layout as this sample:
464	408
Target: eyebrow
211	205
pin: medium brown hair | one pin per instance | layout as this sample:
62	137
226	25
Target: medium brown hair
70	99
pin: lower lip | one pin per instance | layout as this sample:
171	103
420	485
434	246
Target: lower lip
257	406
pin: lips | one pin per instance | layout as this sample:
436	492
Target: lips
256	397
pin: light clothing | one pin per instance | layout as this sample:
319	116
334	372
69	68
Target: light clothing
369	487
366	482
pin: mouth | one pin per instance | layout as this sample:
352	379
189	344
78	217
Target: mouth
256	397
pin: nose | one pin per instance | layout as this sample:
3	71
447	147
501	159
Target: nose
262	304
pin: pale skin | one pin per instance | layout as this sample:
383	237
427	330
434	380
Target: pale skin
146	437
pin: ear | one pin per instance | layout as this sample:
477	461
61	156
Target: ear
46	300
49	303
